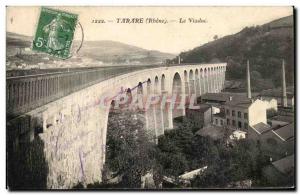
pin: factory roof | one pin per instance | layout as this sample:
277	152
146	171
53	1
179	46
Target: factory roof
285	165
243	103
261	127
223	97
286	132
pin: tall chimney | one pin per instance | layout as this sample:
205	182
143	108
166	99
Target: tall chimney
284	97
248	81
179	60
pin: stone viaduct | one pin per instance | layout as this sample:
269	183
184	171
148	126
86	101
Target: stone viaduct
64	110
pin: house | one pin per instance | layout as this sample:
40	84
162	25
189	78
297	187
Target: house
199	117
219	119
242	113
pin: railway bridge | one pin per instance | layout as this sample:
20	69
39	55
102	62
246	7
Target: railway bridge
68	112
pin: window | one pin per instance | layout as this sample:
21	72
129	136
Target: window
239	125
228	122
245	115
221	121
227	112
233	113
233	123
239	114
246	125
216	121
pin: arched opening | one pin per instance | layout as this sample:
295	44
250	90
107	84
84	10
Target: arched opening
192	82
163	86
126	141
140	88
205	77
149	86
156	86
201	82
213	84
185	76
164	108
217	79
150	111
197	84
186	83
177	92
158	114
209	88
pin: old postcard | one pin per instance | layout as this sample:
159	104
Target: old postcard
144	98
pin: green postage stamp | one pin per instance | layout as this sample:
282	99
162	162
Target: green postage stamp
55	32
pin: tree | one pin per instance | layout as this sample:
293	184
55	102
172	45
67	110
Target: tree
130	152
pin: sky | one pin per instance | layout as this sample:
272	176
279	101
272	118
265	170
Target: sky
173	37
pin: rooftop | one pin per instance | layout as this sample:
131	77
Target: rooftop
222	97
285	165
202	108
261	127
239	132
215	132
289	119
243	103
286	132
220	114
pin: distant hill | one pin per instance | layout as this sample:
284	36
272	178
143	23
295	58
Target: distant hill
110	52
265	46
15	41
117	52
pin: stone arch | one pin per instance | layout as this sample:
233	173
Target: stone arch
201	78
163	83
197	83
178	109
191	82
186	83
149	86
185	76
209	88
156	85
191	75
218	78
140	88
213	81
205	78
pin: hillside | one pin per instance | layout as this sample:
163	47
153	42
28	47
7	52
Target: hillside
265	46
92	53
116	52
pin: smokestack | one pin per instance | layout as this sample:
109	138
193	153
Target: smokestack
179	60
284	98
248	81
